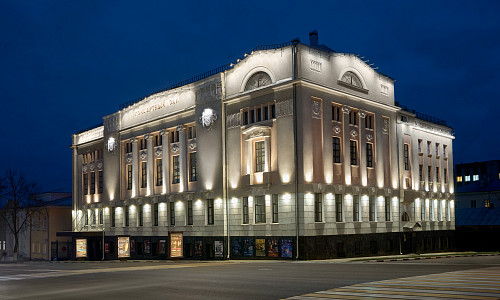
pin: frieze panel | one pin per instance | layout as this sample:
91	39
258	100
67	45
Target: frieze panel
233	121
209	92
385	125
111	123
284	108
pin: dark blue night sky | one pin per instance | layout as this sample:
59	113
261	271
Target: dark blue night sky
66	64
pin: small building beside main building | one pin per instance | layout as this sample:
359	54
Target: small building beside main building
292	151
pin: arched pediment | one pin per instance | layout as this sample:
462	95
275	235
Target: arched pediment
257	78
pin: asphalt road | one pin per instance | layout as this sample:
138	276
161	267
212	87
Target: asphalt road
208	280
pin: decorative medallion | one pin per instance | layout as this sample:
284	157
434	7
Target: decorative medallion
179	128
362	113
175	148
369	137
84	168
129	158
144	154
346	109
146	136
337	129
163	132
208	117
92	167
131	140
111	144
158	151
316	109
192	144
357	189
99	165
354	133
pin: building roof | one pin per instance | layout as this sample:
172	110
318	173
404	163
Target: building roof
482	216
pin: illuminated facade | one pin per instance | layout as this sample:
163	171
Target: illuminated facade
293	151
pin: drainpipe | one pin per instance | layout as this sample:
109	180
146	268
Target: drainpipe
399	188
224	164
296	183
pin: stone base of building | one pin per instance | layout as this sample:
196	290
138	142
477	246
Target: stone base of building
374	244
478	238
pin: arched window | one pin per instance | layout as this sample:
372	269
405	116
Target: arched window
405	217
352	79
258	80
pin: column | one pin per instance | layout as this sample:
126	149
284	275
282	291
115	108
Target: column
135	168
165	163
150	166
182	158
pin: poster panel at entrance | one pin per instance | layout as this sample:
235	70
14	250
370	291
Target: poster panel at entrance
176	244
81	248
123	246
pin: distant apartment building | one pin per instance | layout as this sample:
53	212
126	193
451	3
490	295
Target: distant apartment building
292	151
478	205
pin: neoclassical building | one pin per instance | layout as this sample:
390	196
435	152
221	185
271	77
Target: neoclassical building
292	151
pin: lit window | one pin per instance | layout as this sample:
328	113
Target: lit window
259	156
129	177
260	209
487	203
475	177
459	178
467	178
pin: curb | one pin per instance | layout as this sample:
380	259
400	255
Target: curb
428	257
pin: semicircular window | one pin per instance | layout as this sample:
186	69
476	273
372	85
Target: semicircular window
352	79
258	80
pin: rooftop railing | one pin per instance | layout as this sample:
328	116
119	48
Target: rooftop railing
422	116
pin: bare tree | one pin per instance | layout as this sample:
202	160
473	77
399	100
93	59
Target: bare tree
17	195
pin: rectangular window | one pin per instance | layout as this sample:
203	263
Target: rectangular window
475	177
336	113
428	148
191	132
251	112
113	217
156	214
101	182
144	174
336	150
260	209
266	112
159	172
273	111
192	167
473	203
372	209
422	210
127	215
260	156
259	114
420	171
437	149
369	121
437	174
440	211
448	212
459	178
190	212
176	171
429	173
318	207
444	151
407	157
140	215
245	210
101	217
419	146
356	208
93	218
129	177
339	209
354	153
92	183
275	208
353	117
172	213
387	204
85	184
369	155
142	143
158	140
245	117
467	178
487	203
210	211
